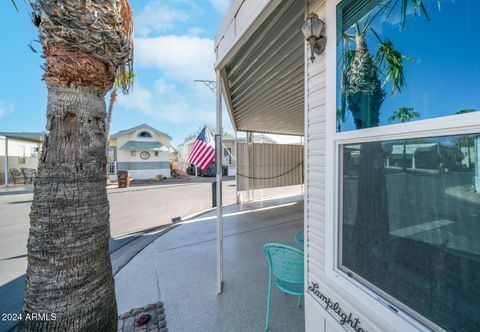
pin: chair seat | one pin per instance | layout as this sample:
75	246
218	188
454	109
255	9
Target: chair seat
290	288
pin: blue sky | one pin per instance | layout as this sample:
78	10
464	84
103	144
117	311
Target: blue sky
174	44
445	76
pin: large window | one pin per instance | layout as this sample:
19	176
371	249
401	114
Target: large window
409	209
394	68
411	225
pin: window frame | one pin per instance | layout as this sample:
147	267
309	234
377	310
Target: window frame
439	126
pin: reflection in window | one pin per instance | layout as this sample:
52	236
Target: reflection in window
395	68
411	225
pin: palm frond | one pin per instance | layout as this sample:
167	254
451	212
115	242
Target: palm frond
418	9
403	114
124	80
390	62
15	5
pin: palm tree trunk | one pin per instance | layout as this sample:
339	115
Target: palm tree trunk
365	97
69	271
69	274
108	123
469	153
113	98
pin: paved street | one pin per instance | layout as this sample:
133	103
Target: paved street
133	210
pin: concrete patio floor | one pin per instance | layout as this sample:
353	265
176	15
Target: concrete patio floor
180	269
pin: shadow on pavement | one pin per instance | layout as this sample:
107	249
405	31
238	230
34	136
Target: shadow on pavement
11	298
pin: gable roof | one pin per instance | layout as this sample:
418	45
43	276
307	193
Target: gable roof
142	126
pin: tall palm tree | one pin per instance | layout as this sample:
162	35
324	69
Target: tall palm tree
123	83
86	44
404	114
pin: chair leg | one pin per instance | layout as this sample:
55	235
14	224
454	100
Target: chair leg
268	301
299	302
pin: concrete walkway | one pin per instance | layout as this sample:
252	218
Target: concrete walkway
180	269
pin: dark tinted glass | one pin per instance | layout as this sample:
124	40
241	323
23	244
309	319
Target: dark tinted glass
411	225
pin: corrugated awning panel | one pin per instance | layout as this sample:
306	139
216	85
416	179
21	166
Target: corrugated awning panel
265	78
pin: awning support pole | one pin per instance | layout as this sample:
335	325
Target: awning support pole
218	160
6	161
236	168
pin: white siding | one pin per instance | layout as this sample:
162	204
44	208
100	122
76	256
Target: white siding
315	159
320	200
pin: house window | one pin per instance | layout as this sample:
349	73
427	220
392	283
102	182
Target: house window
34	151
409	198
133	153
21	154
111	167
110	154
227	155
144	134
410	225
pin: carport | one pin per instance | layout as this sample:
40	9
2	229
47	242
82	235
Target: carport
260	75
11	139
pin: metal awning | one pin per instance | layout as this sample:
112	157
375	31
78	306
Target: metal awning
143	146
28	136
263	81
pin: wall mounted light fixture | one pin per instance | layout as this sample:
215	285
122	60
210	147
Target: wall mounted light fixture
314	31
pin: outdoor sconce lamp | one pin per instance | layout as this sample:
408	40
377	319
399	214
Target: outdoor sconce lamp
313	29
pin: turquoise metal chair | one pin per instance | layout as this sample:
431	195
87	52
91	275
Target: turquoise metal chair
285	271
299	238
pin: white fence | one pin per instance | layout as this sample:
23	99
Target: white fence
263	165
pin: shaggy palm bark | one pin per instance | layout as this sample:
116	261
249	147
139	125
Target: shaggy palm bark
69	280
365	97
69	271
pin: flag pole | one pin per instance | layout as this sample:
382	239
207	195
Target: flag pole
218	161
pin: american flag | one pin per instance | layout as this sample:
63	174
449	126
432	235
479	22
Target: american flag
203	151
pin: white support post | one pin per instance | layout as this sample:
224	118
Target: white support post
477	164
249	157
6	161
236	167
218	160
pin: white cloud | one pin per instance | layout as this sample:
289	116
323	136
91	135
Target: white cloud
158	17
178	57
195	103
5	108
221	5
162	87
195	31
138	99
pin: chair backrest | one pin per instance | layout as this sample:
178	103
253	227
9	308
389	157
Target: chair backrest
29	172
286	262
15	172
299	238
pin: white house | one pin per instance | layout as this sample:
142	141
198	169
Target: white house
142	150
385	249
